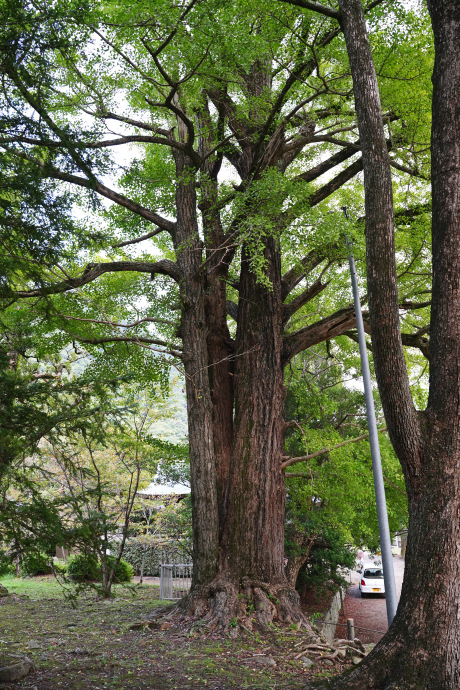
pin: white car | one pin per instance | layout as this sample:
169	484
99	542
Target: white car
371	581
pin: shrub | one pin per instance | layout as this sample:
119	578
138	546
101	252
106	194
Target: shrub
35	563
83	568
59	566
123	571
328	559
86	568
6	566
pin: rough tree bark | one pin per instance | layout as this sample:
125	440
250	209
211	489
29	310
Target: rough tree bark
247	396
420	651
199	405
252	549
234	390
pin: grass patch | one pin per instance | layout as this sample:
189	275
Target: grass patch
91	646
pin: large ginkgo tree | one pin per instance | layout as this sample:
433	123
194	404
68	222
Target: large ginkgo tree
215	239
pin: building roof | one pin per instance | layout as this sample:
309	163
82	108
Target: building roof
155	489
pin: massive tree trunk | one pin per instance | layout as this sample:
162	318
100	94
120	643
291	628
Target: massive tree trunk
252	548
247	394
421	648
255	525
250	582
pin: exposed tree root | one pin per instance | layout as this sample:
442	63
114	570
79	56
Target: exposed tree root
223	606
391	665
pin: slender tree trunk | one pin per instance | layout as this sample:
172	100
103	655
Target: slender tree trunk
420	651
106	579
196	364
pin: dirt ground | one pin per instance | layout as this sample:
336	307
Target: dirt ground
92	646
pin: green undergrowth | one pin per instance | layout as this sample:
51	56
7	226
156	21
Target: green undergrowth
92	646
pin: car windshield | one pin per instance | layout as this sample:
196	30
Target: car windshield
373	572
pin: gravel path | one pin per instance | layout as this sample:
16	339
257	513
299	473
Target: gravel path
369	615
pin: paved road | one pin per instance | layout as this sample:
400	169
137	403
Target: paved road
369	615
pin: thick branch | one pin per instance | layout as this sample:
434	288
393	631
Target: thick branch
314	7
232	310
324	451
291	307
336	182
417	340
330	327
99	188
328	164
94	271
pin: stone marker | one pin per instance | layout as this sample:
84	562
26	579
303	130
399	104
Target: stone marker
11	669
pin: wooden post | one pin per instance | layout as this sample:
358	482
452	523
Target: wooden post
351	629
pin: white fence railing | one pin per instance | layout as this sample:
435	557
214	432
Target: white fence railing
175	580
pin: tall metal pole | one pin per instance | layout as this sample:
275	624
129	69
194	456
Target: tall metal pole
382	515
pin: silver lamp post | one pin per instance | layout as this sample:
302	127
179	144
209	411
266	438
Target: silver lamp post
382	515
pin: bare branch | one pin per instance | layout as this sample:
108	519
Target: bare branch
144	342
291	307
304	458
314	7
93	271
108	115
102	322
138	239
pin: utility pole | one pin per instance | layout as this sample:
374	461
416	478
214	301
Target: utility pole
382	515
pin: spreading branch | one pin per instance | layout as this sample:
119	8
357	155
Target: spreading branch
336	324
102	190
291	307
304	458
295	274
148	343
94	271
